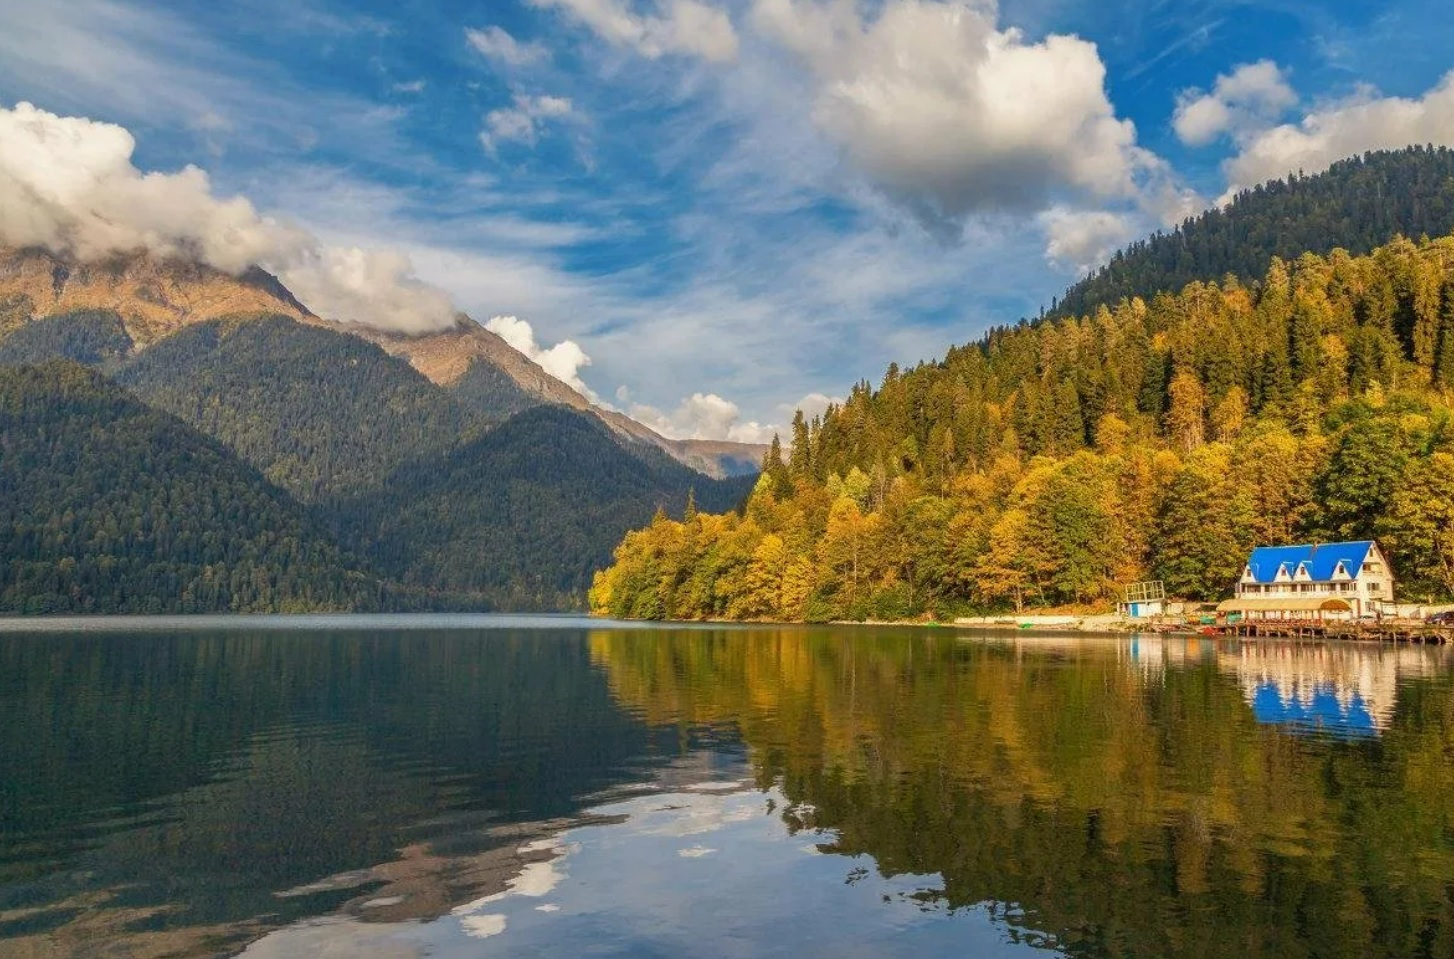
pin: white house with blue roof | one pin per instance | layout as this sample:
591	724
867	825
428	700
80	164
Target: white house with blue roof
1313	581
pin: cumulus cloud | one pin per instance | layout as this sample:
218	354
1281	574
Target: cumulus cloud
814	404
951	115
1249	99
495	44
1345	128
522	122
372	287
680	27
68	184
704	416
564	360
1081	240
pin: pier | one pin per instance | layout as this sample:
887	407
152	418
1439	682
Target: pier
1383	632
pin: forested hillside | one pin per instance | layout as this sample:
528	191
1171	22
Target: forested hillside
1053	461
1356	205
443	508
526	513
90	337
107	506
322	414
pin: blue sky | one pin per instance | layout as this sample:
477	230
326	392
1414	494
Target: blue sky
734	205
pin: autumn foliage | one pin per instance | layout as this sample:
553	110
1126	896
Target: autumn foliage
1053	461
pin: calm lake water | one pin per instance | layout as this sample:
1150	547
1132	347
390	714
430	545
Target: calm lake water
452	786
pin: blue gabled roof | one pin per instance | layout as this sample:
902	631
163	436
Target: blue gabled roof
1322	559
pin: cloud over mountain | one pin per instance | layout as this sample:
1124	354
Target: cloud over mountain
1249	99
564	360
1345	128
68	184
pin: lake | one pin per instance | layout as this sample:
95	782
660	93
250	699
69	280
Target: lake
548	786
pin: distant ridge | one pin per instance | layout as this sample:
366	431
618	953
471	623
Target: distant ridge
157	297
1356	205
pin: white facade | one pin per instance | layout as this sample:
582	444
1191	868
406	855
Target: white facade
1366	589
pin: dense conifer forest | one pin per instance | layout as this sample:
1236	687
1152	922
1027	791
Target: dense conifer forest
409	495
1356	205
324	415
544	498
108	506
1052	462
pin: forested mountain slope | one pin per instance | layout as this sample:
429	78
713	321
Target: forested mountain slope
1356	205
107	506
322	414
1052	462
525	513
90	337
154	298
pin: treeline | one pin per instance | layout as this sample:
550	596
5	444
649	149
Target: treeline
108	506
254	463
523	514
1357	205
1053	462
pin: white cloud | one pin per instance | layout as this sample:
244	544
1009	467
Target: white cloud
1343	129
495	44
564	360
704	416
1249	99
522	122
683	26
814	404
949	114
137	63
483	927
1081	240
373	287
68	184
413	86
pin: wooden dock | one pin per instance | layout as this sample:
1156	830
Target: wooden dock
1387	632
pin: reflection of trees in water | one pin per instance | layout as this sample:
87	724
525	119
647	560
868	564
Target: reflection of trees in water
168	787
1124	814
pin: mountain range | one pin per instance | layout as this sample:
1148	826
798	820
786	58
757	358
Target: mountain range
436	442
175	438
155	298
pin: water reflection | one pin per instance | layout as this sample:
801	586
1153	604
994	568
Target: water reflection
718	792
1120	798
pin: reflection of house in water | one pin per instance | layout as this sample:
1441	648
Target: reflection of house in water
1152	654
1337	688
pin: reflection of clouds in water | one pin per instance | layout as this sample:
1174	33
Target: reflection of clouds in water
483	927
690	814
535	879
336	939
717	787
624	883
